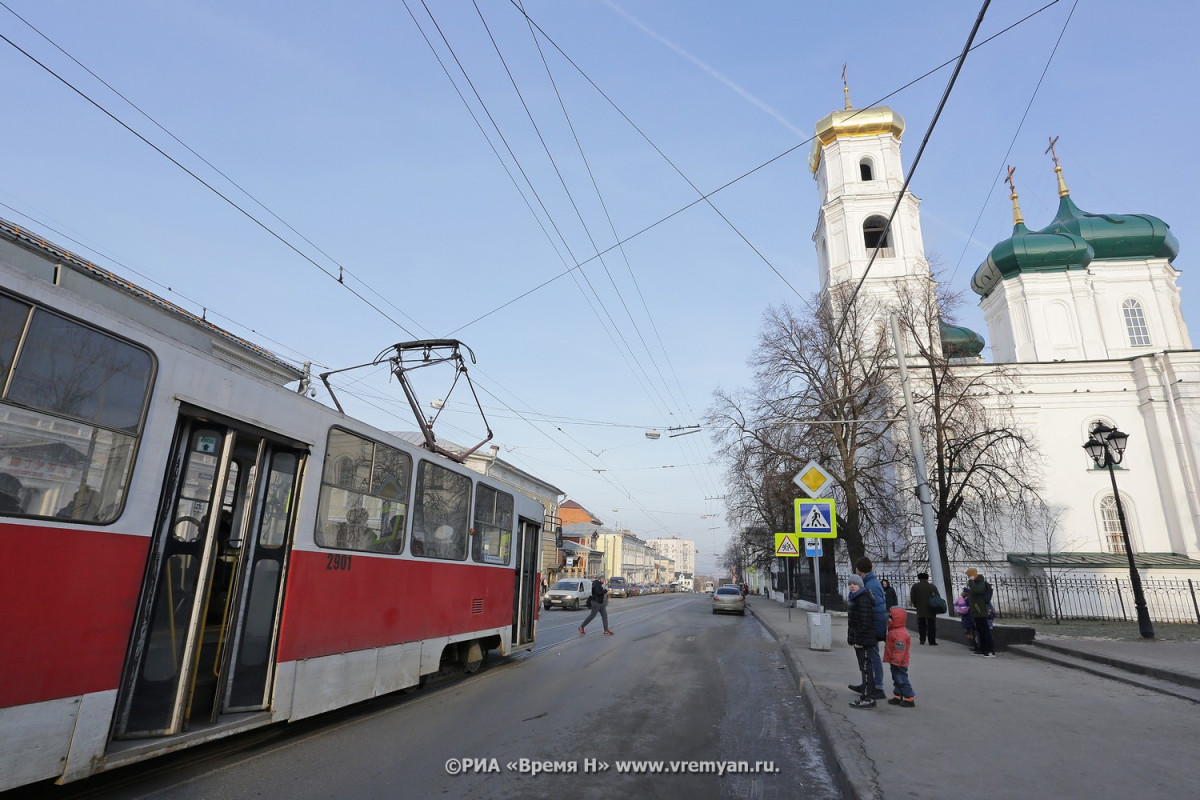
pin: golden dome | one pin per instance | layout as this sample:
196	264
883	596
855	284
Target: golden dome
854	122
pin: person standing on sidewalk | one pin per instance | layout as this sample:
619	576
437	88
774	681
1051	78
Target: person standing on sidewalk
862	568
860	634
919	596
598	602
962	607
980	597
889	594
896	652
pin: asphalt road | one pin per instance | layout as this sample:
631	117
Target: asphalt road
678	703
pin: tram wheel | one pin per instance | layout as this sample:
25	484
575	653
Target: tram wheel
474	658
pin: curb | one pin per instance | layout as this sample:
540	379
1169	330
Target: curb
849	770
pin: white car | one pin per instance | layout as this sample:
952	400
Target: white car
568	593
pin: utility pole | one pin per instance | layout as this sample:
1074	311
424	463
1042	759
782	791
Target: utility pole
918	455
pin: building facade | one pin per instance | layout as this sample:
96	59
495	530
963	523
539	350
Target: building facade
1084	316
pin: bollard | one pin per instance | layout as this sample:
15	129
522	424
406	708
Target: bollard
820	630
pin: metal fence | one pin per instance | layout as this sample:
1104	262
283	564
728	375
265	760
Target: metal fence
1071	597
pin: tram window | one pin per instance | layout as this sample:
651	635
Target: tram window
12	323
69	417
75	371
364	495
492	542
273	530
440	513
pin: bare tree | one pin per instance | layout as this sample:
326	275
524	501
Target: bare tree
983	468
819	393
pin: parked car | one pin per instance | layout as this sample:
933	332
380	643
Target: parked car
568	593
729	599
617	587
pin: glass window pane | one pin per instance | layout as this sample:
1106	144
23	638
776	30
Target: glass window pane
492	542
441	513
12	322
52	467
364	495
278	506
69	369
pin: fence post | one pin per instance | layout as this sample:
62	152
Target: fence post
1121	599
1192	592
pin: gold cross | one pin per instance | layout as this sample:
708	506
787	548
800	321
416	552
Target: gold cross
1050	150
1009	180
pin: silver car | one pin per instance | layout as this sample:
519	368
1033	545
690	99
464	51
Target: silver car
729	599
568	593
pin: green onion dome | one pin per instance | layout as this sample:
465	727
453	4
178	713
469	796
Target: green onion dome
1031	251
960	342
1116	236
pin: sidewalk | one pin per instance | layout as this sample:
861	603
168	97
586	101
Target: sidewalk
1008	727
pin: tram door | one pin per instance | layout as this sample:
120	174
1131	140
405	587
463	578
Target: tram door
525	594
209	614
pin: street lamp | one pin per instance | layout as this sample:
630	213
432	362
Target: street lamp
1102	445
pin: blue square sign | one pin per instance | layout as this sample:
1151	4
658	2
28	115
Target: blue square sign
816	519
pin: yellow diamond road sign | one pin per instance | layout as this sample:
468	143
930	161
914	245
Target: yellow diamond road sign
812	479
786	544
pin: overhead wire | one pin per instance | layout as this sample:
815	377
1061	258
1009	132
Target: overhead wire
1012	142
913	167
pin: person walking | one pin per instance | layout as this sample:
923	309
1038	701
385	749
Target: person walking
980	598
919	596
860	634
863	568
896	652
598	602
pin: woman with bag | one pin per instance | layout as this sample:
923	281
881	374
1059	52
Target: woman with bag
922	595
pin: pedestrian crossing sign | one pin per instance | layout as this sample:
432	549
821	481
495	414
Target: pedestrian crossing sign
786	545
816	519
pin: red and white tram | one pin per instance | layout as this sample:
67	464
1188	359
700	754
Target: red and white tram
192	549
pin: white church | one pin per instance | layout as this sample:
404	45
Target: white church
1084	311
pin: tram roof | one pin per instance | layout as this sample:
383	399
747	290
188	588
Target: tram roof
249	354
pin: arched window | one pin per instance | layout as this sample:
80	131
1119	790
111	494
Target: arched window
873	235
1135	323
1113	541
865	171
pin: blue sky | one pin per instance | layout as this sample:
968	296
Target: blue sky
345	125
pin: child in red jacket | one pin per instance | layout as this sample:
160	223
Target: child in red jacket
896	653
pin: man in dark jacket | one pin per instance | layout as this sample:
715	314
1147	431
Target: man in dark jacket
979	595
860	634
598	602
919	594
862	568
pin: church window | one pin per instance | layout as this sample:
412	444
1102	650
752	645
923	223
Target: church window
865	171
873	235
1113	541
1135	323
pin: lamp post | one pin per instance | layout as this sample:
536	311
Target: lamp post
1102	445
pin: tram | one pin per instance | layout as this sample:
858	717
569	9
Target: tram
193	549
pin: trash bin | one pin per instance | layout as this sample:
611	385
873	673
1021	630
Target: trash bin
820	631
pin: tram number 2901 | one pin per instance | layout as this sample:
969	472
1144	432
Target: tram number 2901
337	561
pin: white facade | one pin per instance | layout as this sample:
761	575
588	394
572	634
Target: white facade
1066	337
681	551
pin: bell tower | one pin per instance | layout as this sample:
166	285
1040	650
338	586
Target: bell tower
855	160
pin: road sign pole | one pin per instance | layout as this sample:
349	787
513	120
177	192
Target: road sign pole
817	576
789	590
